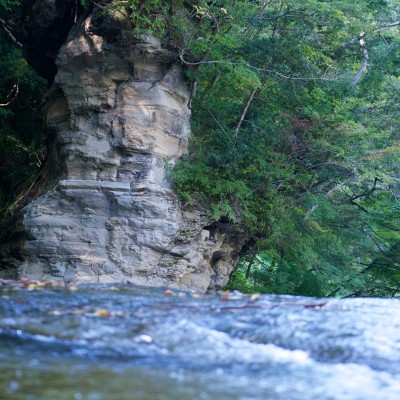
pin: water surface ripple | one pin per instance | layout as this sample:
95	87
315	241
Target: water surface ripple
103	342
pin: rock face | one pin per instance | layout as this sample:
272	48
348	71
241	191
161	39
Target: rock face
118	112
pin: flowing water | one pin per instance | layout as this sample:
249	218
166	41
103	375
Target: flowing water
103	342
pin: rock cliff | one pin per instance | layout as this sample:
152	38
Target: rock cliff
118	114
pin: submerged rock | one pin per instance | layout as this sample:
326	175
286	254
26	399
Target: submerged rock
118	115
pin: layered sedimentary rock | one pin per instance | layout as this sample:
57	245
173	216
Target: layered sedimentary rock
119	116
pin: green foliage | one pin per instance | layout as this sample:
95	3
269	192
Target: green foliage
85	3
21	130
286	142
149	15
7	5
311	170
146	16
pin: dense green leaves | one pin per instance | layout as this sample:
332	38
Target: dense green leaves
295	137
21	130
296	133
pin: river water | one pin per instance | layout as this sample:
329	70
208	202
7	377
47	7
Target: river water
104	342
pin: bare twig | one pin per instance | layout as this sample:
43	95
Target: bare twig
245	111
362	68
193	87
364	64
14	93
310	211
249	266
8	32
219	125
214	82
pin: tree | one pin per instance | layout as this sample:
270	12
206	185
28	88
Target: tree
295	132
295	137
21	130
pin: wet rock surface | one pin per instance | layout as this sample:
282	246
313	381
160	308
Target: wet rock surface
125	342
118	115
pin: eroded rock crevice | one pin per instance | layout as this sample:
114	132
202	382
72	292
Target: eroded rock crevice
118	110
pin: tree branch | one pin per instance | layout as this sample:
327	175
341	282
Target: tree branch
383	252
245	111
363	67
193	87
293	77
392	25
14	93
264	6
310	211
374	109
354	40
249	266
8	32
219	125
364	64
367	193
